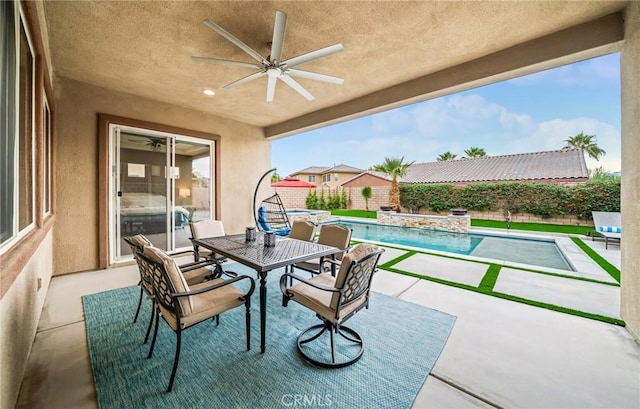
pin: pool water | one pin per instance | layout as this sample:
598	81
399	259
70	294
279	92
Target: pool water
526	251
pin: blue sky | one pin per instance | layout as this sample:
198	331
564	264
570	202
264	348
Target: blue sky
533	113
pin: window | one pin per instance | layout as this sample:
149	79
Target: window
17	112
326	178
46	158
336	177
311	178
8	117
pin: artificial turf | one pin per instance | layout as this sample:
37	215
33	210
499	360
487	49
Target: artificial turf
488	282
541	227
608	267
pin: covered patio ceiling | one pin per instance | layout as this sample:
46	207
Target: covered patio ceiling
395	52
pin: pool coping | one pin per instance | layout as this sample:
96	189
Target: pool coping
584	266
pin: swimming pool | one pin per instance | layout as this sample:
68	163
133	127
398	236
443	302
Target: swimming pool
526	251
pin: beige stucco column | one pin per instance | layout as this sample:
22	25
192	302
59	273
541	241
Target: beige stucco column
630	84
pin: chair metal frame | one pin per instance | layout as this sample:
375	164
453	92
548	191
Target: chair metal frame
167	297
335	258
146	278
357	284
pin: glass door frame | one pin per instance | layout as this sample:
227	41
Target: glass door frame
105	163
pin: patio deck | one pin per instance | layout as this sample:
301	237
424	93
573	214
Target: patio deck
500	354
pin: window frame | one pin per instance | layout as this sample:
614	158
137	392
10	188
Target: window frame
17	233
47	159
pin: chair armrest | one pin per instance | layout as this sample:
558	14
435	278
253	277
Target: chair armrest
197	264
284	288
330	261
180	253
219	285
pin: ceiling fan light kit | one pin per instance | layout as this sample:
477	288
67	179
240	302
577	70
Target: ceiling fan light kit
272	66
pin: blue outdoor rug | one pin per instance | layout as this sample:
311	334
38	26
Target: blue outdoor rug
402	343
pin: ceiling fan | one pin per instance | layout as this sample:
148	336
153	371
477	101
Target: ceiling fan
273	66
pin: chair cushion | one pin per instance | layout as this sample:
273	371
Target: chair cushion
320	301
207	305
140	240
302	230
313	264
207	228
335	235
174	273
357	253
610	229
196	276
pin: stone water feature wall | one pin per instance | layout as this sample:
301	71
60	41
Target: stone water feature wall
450	223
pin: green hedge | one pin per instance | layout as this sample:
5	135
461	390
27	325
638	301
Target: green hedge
541	199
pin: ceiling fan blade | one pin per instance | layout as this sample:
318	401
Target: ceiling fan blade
248	78
304	58
294	84
271	88
234	40
228	62
315	76
279	27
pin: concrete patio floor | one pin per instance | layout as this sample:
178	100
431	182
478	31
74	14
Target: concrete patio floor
500	353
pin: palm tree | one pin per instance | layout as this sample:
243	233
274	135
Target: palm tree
447	156
366	193
395	168
587	143
475	152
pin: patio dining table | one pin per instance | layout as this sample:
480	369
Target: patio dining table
255	255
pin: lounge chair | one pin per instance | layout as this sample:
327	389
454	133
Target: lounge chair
607	225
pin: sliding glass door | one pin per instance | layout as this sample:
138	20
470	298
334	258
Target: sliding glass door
160	182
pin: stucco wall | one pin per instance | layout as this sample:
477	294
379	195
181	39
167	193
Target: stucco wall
20	310
245	155
630	80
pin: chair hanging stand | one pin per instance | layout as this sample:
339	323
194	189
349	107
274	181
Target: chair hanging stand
270	214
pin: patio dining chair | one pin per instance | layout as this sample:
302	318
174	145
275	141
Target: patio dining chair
202	229
334	235
302	230
334	300
193	273
183	306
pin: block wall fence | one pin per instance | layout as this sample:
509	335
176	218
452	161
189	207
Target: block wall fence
295	198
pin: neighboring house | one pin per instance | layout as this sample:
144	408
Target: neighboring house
565	166
330	177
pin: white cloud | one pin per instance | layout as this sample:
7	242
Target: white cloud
552	134
423	131
458	122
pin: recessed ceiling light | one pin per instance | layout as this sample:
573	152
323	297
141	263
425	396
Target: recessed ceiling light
209	92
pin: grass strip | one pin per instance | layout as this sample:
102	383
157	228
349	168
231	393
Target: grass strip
608	267
355	213
490	278
398	259
530	270
589	280
533	303
541	227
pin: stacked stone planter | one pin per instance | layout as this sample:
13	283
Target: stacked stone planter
450	223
